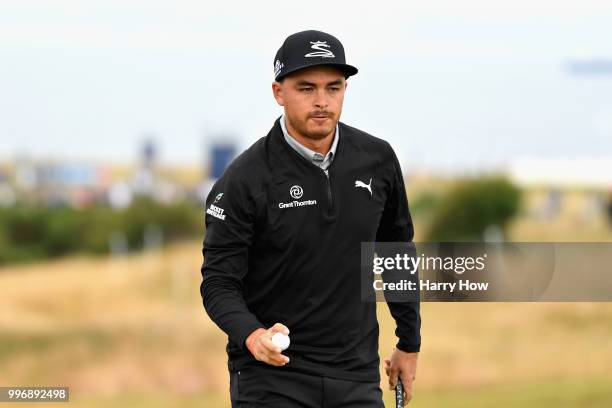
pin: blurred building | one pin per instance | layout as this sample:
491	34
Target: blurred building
144	180
220	155
586	180
595	172
80	184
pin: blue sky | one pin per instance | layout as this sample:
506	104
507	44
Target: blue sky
451	84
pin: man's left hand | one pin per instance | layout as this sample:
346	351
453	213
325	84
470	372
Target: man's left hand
402	364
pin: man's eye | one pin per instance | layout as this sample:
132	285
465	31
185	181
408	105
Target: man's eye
305	89
334	88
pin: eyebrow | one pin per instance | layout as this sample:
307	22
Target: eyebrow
303	82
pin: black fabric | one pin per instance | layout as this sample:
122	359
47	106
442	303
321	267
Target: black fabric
267	262
273	387
310	48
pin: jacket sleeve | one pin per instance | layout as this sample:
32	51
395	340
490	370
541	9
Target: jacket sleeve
396	226
229	219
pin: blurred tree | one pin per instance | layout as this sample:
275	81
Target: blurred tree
610	208
472	207
30	233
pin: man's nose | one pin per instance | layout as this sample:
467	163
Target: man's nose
321	101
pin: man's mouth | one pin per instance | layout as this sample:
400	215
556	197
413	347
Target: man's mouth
320	118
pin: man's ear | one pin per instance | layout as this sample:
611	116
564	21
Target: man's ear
277	91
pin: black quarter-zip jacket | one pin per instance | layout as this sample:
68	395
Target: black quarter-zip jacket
283	244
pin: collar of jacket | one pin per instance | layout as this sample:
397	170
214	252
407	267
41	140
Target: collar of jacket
283	158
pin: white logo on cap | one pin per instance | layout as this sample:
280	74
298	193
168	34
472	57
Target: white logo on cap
321	52
277	67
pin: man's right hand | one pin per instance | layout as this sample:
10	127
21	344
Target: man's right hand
261	347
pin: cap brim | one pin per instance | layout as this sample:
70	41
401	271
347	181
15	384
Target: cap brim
348	70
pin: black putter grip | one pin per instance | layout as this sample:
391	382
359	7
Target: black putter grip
399	394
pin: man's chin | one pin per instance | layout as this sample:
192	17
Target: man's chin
320	132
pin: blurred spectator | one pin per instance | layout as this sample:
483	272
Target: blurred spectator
553	205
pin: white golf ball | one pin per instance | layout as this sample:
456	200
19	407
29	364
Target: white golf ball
281	340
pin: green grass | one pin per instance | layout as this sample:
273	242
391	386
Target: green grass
131	332
14	343
137	400
566	393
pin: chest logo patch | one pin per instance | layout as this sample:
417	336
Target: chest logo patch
359	183
296	192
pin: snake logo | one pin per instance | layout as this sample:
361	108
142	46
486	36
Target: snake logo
320	52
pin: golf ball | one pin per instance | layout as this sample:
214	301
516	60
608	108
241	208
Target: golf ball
281	340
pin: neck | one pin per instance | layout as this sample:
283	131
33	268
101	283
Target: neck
318	145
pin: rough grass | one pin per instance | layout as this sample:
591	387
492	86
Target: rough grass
131	332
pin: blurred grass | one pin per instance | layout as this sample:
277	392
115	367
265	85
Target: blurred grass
585	393
132	332
30	232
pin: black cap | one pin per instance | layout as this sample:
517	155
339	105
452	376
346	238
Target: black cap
310	48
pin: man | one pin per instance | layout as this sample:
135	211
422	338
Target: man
284	228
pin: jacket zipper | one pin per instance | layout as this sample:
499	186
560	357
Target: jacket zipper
329	192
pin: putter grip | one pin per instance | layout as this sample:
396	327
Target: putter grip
399	394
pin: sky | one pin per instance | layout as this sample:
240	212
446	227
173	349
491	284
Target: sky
452	85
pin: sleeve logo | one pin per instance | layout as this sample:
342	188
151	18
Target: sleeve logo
216	212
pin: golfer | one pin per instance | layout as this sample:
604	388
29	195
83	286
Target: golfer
284	227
